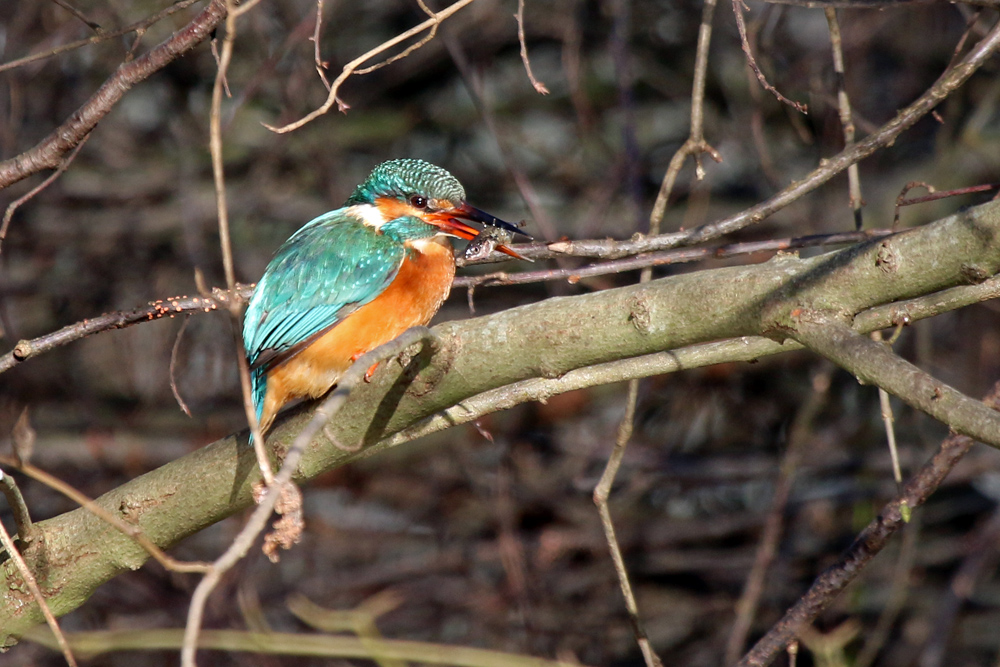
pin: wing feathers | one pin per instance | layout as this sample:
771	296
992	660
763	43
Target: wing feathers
325	271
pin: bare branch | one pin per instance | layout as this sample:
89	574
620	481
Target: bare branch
26	349
100	37
219	179
133	531
846	119
695	144
16	204
258	520
36	593
78	14
49	152
868	543
638	330
903	120
874	363
738	8
664	258
536	84
352	67
15	501
601	494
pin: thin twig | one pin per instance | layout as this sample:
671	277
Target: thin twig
49	152
846	119
27	348
538	85
258	519
321	64
866	546
950	81
901	198
695	144
601	494
172	371
14	205
218	172
934	196
757	130
738	8
412	47
664	258
93	25
885	407
767	550
100	37
36	592
130	529
22	517
352	67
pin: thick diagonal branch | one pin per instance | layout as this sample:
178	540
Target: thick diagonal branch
875	363
554	339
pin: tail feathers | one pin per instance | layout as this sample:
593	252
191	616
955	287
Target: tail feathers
258	388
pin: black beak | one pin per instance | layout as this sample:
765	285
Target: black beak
472	213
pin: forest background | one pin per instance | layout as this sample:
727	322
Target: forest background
742	482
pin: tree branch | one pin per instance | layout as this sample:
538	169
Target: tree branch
869	542
541	342
49	152
884	136
876	363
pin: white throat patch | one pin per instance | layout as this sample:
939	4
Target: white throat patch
368	214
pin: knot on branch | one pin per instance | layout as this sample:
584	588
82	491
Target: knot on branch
640	314
22	350
975	273
416	363
887	259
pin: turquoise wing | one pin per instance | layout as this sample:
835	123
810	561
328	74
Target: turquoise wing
325	271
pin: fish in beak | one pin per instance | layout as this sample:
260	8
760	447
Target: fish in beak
452	221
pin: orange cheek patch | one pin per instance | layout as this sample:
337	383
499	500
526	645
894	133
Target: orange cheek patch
393	208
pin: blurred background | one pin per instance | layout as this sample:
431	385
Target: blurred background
494	541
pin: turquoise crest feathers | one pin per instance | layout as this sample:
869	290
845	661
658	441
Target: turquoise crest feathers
405	177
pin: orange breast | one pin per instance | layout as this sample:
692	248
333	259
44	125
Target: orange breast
412	299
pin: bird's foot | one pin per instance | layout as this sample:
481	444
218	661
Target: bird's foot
368	373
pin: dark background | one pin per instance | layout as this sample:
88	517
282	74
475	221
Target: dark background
496	543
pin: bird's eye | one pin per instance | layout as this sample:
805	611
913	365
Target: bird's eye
418	202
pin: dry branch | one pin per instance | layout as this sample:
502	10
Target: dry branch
868	543
49	152
542	342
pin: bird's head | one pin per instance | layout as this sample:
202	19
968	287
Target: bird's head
414	190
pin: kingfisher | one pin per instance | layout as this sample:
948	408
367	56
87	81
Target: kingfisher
355	278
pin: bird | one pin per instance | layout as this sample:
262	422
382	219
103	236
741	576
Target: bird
355	278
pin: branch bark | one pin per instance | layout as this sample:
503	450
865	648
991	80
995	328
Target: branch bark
539	343
875	363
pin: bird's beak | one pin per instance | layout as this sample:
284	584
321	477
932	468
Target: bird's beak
451	222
